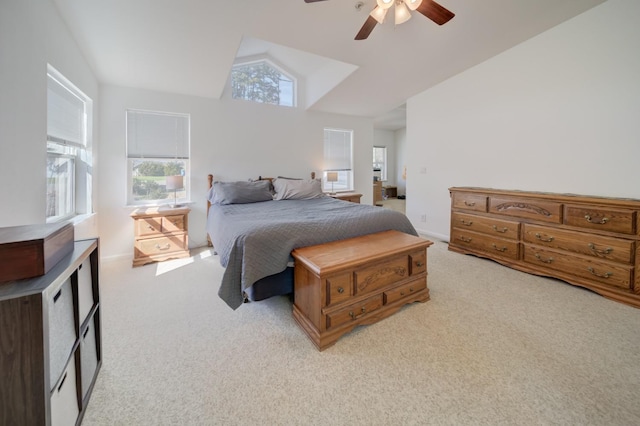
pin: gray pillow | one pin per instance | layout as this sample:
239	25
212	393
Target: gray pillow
241	192
292	189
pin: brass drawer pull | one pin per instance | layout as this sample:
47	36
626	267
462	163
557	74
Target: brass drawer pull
354	316
605	275
419	263
340	290
602	221
463	239
595	250
151	228
503	249
468	204
165	247
495	228
465	223
546	240
549	260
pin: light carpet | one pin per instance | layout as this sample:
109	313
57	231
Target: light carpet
492	346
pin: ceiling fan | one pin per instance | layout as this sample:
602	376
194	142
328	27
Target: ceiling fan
428	8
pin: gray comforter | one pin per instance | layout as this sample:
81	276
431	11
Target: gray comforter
256	240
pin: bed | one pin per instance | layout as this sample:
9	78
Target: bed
254	233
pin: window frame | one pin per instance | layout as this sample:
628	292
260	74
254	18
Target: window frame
247	62
384	166
346	172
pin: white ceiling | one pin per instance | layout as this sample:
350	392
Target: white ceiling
189	46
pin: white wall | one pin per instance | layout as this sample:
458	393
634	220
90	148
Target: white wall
558	113
233	140
32	34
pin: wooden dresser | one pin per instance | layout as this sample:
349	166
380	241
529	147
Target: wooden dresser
50	341
377	192
352	197
584	240
160	233
343	284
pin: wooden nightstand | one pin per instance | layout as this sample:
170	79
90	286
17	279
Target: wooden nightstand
160	233
347	196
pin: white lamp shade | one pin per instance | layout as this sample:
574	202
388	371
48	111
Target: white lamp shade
378	14
413	4
386	4
332	176
402	13
174	183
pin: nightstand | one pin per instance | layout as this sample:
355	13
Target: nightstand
347	196
160	233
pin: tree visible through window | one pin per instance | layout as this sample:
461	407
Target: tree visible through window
262	82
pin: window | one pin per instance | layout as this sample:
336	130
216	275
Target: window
157	147
263	82
380	162
338	157
69	165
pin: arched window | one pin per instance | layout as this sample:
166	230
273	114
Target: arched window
262	81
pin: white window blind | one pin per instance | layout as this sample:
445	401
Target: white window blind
66	115
157	135
337	149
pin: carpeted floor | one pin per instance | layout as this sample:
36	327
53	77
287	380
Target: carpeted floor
492	346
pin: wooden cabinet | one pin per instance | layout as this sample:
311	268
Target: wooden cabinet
377	192
586	241
50	351
346	283
348	196
160	233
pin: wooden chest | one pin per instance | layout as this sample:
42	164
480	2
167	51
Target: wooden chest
346	283
32	250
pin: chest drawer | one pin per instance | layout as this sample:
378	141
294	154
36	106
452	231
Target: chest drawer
355	311
377	276
484	243
602	219
614	249
486	225
339	288
544	211
598	271
405	290
468	201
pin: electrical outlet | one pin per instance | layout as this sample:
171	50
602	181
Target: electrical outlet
423	218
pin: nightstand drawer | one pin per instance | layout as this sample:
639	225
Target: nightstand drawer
161	245
173	223
148	226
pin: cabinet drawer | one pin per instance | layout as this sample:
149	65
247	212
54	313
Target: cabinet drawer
486	225
148	226
467	201
355	311
484	243
161	245
173	223
64	400
602	272
418	262
62	329
602	219
88	354
339	288
544	211
86	297
614	249
378	276
404	290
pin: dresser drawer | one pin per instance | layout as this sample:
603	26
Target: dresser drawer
62	334
601	219
355	311
469	201
486	225
492	246
339	288
598	271
614	249
375	277
173	223
161	245
148	226
405	290
544	211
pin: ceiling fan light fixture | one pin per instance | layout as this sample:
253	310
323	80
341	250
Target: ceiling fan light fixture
402	13
413	4
379	14
385	4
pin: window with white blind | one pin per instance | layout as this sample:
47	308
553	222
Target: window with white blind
157	147
69	165
338	157
380	162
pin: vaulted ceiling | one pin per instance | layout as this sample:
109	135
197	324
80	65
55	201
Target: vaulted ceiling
189	46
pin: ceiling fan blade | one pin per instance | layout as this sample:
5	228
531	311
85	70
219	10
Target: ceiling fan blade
366	29
435	12
312	1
